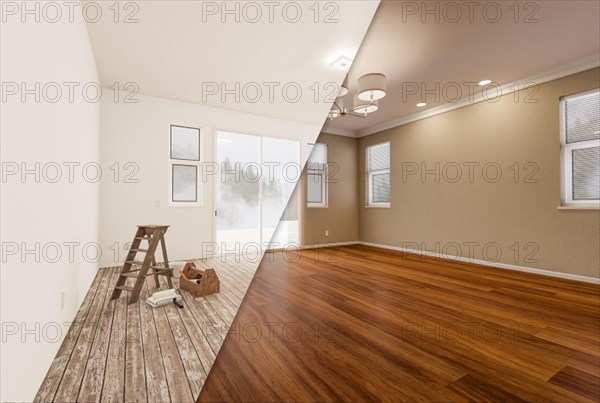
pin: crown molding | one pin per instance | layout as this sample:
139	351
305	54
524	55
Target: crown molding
564	70
341	132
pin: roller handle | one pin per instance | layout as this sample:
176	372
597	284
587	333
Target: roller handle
177	303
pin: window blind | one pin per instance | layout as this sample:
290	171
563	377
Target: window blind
381	188
318	157
586	173
582	118
378	174
315	188
580	148
379	157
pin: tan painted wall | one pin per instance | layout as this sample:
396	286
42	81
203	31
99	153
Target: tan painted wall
507	215
341	215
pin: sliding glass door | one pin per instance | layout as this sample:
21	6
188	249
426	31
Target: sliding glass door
280	223
257	176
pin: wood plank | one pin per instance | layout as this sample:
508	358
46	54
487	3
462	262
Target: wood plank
179	388
156	379
123	351
579	382
196	375
231	286
113	387
368	296
93	379
217	305
192	322
52	380
135	367
391	344
471	388
68	390
570	337
209	321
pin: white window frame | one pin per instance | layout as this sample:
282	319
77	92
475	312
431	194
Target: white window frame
566	154
324	187
195	163
369	178
324	182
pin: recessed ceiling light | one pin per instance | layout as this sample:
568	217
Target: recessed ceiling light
422	104
342	63
484	82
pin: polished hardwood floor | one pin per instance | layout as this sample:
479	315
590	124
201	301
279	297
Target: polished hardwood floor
360	324
115	351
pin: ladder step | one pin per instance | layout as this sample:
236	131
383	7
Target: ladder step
134	273
147	266
130	274
136	262
161	270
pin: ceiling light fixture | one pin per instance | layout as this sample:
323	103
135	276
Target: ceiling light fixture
421	104
344	88
364	107
484	82
342	63
371	88
339	110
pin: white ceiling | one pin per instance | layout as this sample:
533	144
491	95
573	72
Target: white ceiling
407	50
173	52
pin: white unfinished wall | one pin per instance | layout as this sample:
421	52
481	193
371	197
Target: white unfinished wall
139	133
50	216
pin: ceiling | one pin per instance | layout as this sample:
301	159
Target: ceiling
409	46
183	50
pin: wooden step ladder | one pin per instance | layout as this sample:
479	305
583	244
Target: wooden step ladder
154	234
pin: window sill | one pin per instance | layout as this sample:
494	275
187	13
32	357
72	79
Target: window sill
317	206
582	207
185	204
377	206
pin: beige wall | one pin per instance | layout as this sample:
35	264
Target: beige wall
508	215
341	215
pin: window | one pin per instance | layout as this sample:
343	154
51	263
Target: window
184	163
580	149
316	176
378	175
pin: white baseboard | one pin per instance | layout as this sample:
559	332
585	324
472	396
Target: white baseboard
490	264
329	245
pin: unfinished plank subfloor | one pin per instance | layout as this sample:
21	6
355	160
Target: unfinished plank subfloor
115	351
362	324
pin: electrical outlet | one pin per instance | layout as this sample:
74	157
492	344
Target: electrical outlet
326	232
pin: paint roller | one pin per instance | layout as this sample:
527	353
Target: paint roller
161	298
